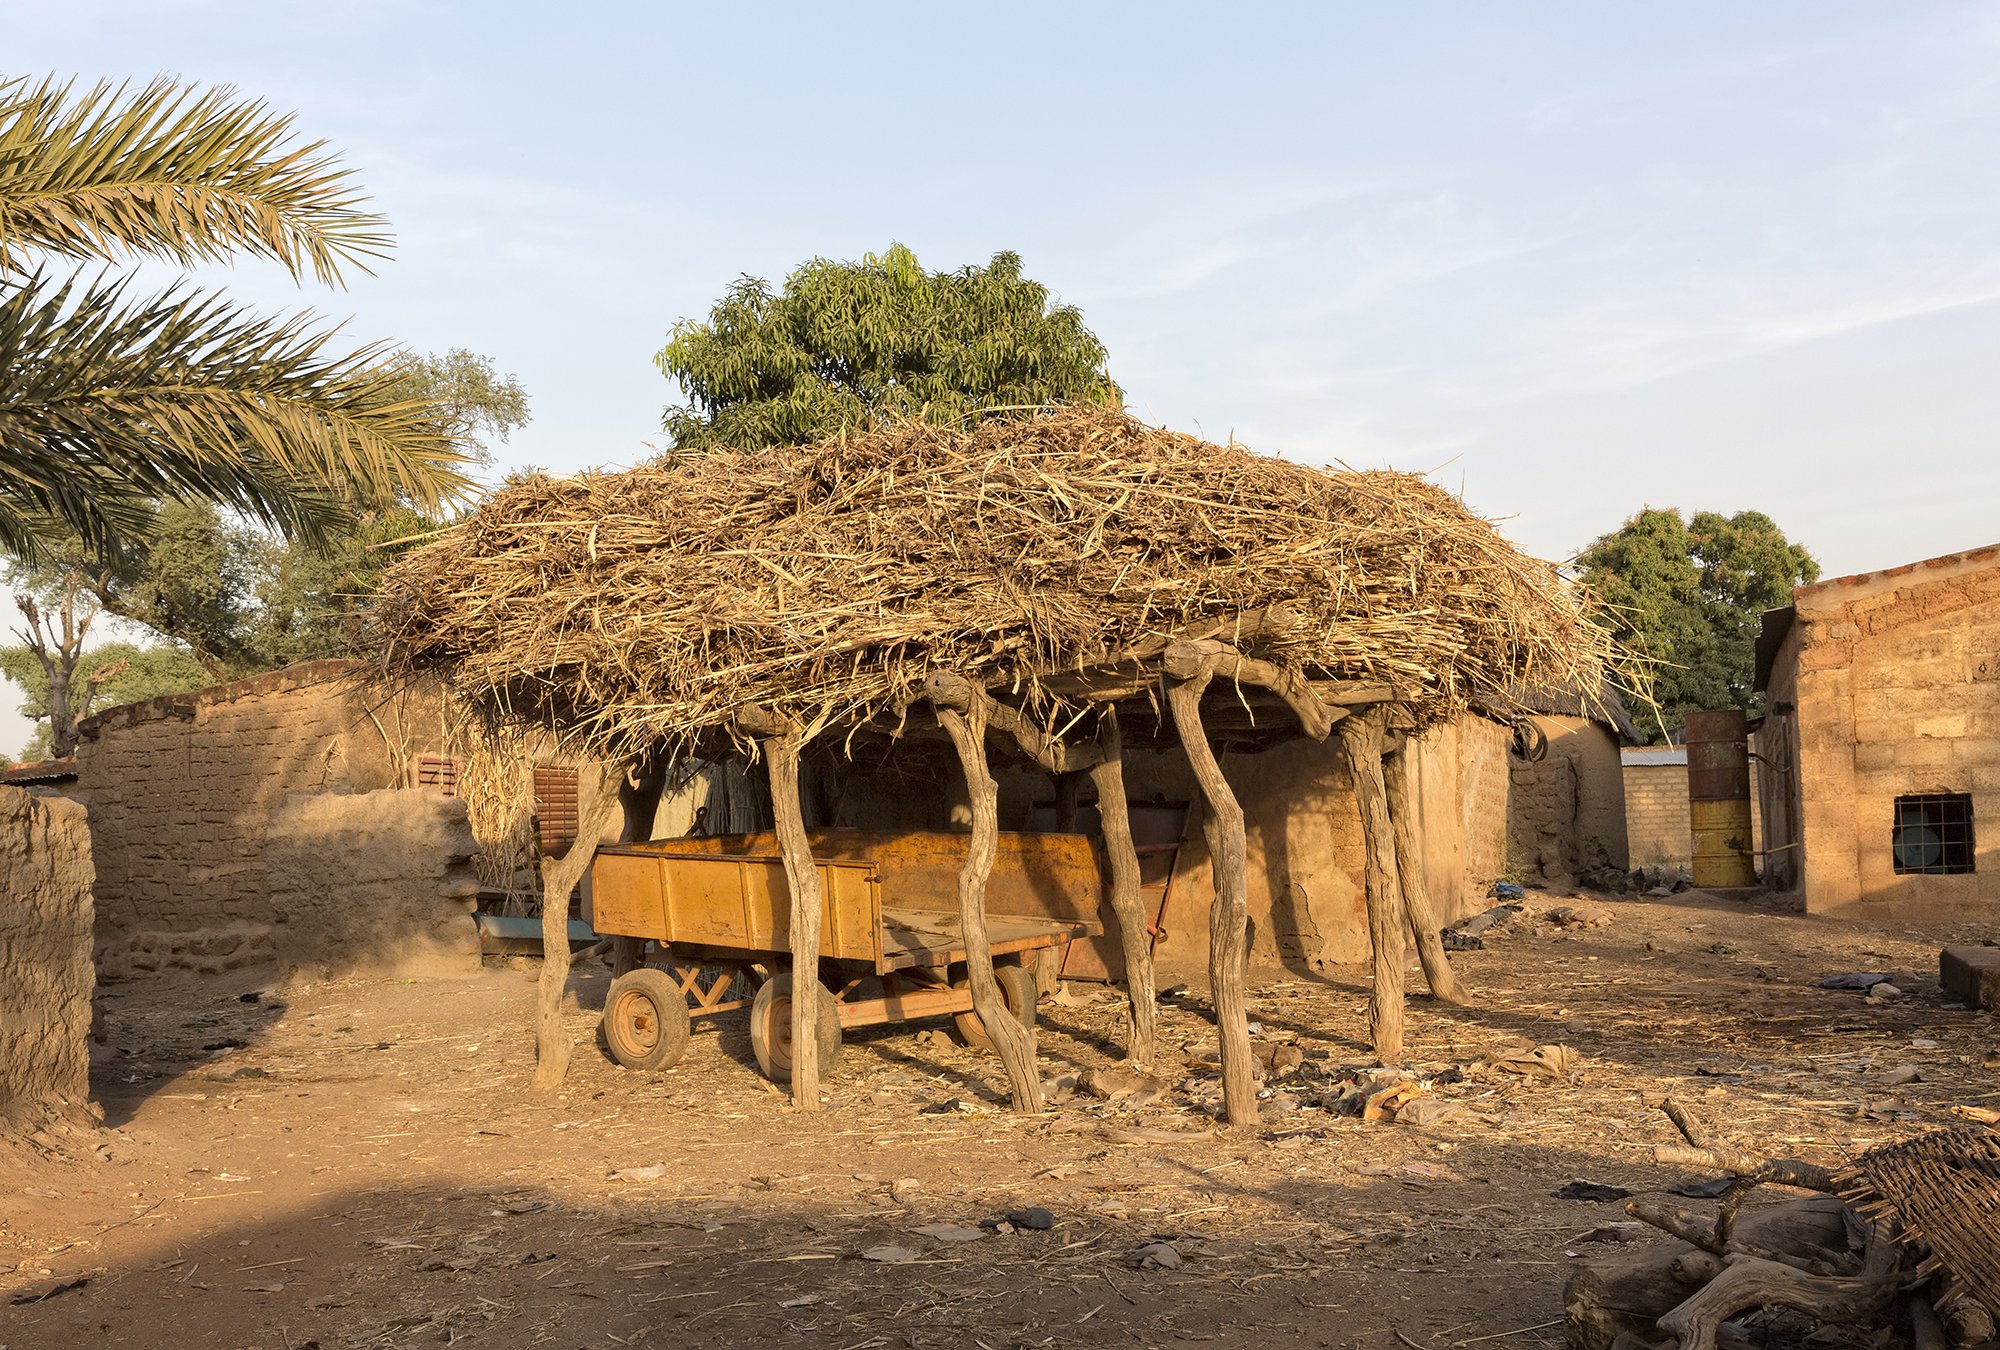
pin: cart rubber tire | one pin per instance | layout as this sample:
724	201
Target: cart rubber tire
646	1019
771	1029
1017	986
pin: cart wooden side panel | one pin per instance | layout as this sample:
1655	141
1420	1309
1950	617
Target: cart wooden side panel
1050	876
732	901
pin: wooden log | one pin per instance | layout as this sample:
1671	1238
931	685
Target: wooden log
1016	1043
1128	907
1748	1282
1967	1321
1400	780
1229	917
1791	1172
1361	738
1626	1291
597	800
780	740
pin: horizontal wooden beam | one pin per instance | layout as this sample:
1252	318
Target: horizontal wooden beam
1057	756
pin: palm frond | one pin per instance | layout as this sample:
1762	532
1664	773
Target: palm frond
106	399
193	175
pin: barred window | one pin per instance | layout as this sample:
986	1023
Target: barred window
1933	833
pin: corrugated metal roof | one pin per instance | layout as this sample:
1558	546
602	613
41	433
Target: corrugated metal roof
1649	755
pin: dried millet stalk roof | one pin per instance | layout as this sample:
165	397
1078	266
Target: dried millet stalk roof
638	610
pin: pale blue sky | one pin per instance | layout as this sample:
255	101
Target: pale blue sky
1585	257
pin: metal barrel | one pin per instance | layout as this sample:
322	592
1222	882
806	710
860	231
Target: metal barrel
1719	799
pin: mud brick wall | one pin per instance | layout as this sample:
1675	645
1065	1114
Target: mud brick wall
1566	811
1657	828
1896	681
182	791
45	971
375	883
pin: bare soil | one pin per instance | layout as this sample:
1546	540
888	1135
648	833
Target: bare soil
361	1164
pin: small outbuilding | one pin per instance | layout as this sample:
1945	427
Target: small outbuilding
1879	751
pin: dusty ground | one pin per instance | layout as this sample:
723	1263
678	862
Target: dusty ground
360	1164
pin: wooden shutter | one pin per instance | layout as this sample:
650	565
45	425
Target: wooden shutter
435	771
555	810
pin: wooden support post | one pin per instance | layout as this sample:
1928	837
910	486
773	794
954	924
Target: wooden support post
1400	779
1067	793
779	739
1229	919
1361	742
596	802
1015	1042
1127	905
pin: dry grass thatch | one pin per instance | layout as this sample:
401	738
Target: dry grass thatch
637	611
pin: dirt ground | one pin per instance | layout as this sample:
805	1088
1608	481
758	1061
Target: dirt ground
361	1165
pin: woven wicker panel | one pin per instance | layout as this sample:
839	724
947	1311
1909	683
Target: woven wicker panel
1944	1189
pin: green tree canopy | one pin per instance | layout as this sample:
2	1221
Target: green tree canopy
115	673
1690	594
111	401
845	343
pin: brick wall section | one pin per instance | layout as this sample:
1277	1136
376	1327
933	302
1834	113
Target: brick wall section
45	971
1896	680
182	791
1657	827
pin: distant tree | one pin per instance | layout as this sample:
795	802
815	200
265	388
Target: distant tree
1690	594
846	343
64	682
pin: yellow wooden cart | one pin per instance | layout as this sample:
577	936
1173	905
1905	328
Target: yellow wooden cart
890	945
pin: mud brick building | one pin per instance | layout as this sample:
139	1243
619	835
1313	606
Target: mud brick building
184	793
1881	741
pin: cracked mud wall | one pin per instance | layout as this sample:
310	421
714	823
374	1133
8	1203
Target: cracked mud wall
46	978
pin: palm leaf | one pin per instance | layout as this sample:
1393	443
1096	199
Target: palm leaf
192	175
106	401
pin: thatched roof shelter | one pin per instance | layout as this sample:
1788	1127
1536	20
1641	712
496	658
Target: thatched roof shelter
639	610
1014	578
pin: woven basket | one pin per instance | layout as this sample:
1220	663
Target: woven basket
1943	1190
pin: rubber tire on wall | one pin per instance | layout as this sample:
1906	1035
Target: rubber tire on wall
1017	986
771	1029
645	1020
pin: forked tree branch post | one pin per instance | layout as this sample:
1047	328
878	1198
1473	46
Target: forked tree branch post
1400	775
1015	1042
1229	919
1362	741
1121	856
597	800
779	740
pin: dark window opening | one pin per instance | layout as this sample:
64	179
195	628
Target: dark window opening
1933	833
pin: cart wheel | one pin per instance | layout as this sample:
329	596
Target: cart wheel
771	1029
1017	986
646	1020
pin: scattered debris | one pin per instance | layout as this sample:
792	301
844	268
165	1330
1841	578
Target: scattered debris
1156	1256
1593	1191
950	1232
1860	980
1544	1061
889	1255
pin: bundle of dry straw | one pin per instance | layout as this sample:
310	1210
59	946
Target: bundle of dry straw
637	611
